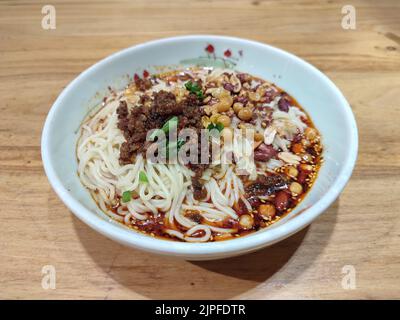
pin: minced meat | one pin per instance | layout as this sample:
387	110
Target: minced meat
135	124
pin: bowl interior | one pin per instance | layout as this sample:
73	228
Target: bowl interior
315	93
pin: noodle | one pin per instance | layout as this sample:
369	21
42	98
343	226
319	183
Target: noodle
167	196
100	172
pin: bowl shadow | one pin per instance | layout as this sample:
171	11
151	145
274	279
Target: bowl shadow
155	277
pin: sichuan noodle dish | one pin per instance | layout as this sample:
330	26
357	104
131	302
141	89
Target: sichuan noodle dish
198	154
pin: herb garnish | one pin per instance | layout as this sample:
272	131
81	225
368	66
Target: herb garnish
126	196
170	124
143	177
194	87
218	126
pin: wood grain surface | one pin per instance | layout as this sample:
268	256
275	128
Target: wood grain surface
361	229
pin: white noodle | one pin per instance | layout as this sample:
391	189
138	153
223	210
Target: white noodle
168	189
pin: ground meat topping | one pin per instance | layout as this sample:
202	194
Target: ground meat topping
139	120
191	113
199	192
142	84
165	104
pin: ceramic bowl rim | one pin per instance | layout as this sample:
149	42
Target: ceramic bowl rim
182	249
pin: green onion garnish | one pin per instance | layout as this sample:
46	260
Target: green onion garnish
178	144
170	146
218	126
143	177
126	196
170	124
194	87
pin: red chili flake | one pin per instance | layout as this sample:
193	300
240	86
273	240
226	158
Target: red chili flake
145	74
227	53
210	48
136	77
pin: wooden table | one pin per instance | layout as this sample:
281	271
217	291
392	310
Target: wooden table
361	229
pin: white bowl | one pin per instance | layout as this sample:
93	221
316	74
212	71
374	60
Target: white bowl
326	105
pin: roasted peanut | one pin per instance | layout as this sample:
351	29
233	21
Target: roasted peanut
224	103
237	106
245	114
246	221
237	85
306	167
258	136
254	96
267	211
296	188
224	97
214	117
224	120
292	172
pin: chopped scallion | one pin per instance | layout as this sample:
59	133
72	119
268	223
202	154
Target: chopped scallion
218	126
126	196
143	177
170	124
194	87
